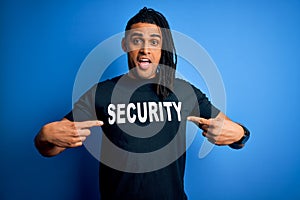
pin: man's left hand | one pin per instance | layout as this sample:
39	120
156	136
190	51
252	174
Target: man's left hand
220	130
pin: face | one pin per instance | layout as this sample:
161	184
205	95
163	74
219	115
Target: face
143	42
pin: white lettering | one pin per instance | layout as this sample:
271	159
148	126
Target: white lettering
111	113
131	119
152	111
120	112
139	112
168	105
178	109
161	111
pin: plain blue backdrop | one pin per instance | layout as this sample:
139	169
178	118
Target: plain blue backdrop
255	45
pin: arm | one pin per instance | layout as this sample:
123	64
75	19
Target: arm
55	137
221	130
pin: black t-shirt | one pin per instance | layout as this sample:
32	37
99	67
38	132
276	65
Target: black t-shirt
151	131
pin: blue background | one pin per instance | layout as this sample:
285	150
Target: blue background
255	45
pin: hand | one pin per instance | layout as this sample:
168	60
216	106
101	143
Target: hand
220	130
67	134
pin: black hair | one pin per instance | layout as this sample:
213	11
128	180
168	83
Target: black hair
168	53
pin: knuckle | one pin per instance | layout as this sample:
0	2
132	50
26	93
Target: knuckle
74	133
72	125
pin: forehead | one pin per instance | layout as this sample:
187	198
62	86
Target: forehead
145	29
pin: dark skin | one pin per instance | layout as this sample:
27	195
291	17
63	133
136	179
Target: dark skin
220	130
144	50
55	137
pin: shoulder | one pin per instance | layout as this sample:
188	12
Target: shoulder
106	87
185	88
109	82
181	84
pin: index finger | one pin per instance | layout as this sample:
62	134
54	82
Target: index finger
199	120
88	124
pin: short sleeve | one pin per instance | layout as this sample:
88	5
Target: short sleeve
84	108
204	108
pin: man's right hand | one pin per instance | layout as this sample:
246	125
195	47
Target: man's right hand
57	136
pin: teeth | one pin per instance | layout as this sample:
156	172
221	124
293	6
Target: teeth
144	60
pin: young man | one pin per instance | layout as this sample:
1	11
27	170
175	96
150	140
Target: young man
142	112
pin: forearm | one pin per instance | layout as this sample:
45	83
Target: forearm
46	148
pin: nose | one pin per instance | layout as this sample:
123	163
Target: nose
145	48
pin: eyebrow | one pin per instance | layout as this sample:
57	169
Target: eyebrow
141	34
155	35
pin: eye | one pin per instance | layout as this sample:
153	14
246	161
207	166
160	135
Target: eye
154	42
137	41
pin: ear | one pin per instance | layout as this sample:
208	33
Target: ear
124	47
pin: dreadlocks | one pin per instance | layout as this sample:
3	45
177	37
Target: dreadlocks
168	53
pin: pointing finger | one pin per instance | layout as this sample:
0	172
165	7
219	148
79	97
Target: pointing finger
88	124
199	120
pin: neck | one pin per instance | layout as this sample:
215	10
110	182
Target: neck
134	75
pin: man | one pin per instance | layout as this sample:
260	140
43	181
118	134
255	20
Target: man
143	112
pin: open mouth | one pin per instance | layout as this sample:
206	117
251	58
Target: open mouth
144	63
